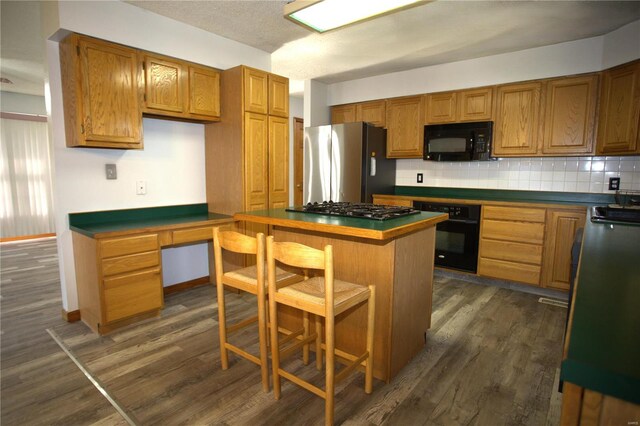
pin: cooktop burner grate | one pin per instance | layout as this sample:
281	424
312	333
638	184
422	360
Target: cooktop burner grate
360	210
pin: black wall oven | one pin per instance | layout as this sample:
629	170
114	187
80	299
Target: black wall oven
457	238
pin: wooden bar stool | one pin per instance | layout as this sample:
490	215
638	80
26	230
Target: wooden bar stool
322	297
251	280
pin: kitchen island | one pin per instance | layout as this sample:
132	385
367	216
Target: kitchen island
395	255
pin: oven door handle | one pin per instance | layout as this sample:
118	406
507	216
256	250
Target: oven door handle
465	221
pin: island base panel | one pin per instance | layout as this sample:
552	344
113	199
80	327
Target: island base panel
402	271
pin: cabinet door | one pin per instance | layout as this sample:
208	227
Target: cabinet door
440	108
620	111
204	92
570	114
562	226
278	95
517	119
256	183
372	112
405	131
475	104
343	114
278	162
255	91
164	85
110	110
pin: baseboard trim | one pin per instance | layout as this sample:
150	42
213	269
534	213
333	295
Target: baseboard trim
26	237
71	316
175	288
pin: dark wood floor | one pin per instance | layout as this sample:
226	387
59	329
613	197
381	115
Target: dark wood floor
492	358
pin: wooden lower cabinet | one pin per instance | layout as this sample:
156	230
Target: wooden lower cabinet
562	226
390	201
117	278
511	243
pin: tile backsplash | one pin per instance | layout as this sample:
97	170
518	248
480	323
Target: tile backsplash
569	174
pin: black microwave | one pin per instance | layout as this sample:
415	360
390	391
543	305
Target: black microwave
458	141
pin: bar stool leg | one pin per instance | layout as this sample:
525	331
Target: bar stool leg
305	334
330	369
275	350
222	322
262	334
368	376
318	342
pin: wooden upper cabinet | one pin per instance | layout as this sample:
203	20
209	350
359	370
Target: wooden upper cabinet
459	106
256	90
176	88
100	94
570	114
405	129
278	95
278	159
620	111
256	183
516	127
343	114
440	108
204	92
373	112
164	84
475	104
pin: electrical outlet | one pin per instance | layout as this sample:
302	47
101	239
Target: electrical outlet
419	178
141	187
112	172
614	183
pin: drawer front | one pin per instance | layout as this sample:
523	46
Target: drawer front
518	214
528	274
532	233
132	294
128	245
191	235
131	262
507	250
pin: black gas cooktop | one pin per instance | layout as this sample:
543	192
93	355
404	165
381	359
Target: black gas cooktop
360	210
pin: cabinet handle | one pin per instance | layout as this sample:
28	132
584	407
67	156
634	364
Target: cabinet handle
82	129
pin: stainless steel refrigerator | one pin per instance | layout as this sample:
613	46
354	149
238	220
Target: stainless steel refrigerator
346	162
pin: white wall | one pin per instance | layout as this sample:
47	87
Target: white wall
21	103
172	161
622	45
316	105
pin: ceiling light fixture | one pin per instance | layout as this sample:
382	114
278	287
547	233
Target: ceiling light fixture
325	15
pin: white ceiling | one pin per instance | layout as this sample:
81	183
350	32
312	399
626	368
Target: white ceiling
434	33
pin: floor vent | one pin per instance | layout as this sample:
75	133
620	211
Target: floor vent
553	302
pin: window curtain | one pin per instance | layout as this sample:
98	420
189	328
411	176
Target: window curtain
25	178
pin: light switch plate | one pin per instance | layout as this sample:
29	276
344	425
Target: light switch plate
141	187
112	172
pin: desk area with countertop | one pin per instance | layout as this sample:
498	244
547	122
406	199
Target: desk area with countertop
118	260
395	255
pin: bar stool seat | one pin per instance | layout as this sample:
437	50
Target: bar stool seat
345	294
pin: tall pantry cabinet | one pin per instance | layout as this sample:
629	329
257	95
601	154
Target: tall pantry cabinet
247	152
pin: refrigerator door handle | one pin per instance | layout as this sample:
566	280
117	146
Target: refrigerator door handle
373	167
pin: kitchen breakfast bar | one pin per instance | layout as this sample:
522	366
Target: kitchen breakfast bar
395	255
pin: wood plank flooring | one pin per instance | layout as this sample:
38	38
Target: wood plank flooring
492	358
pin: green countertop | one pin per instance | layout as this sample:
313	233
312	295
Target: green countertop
604	345
551	197
366	228
94	224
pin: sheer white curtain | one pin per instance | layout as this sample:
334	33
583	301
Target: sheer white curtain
25	179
